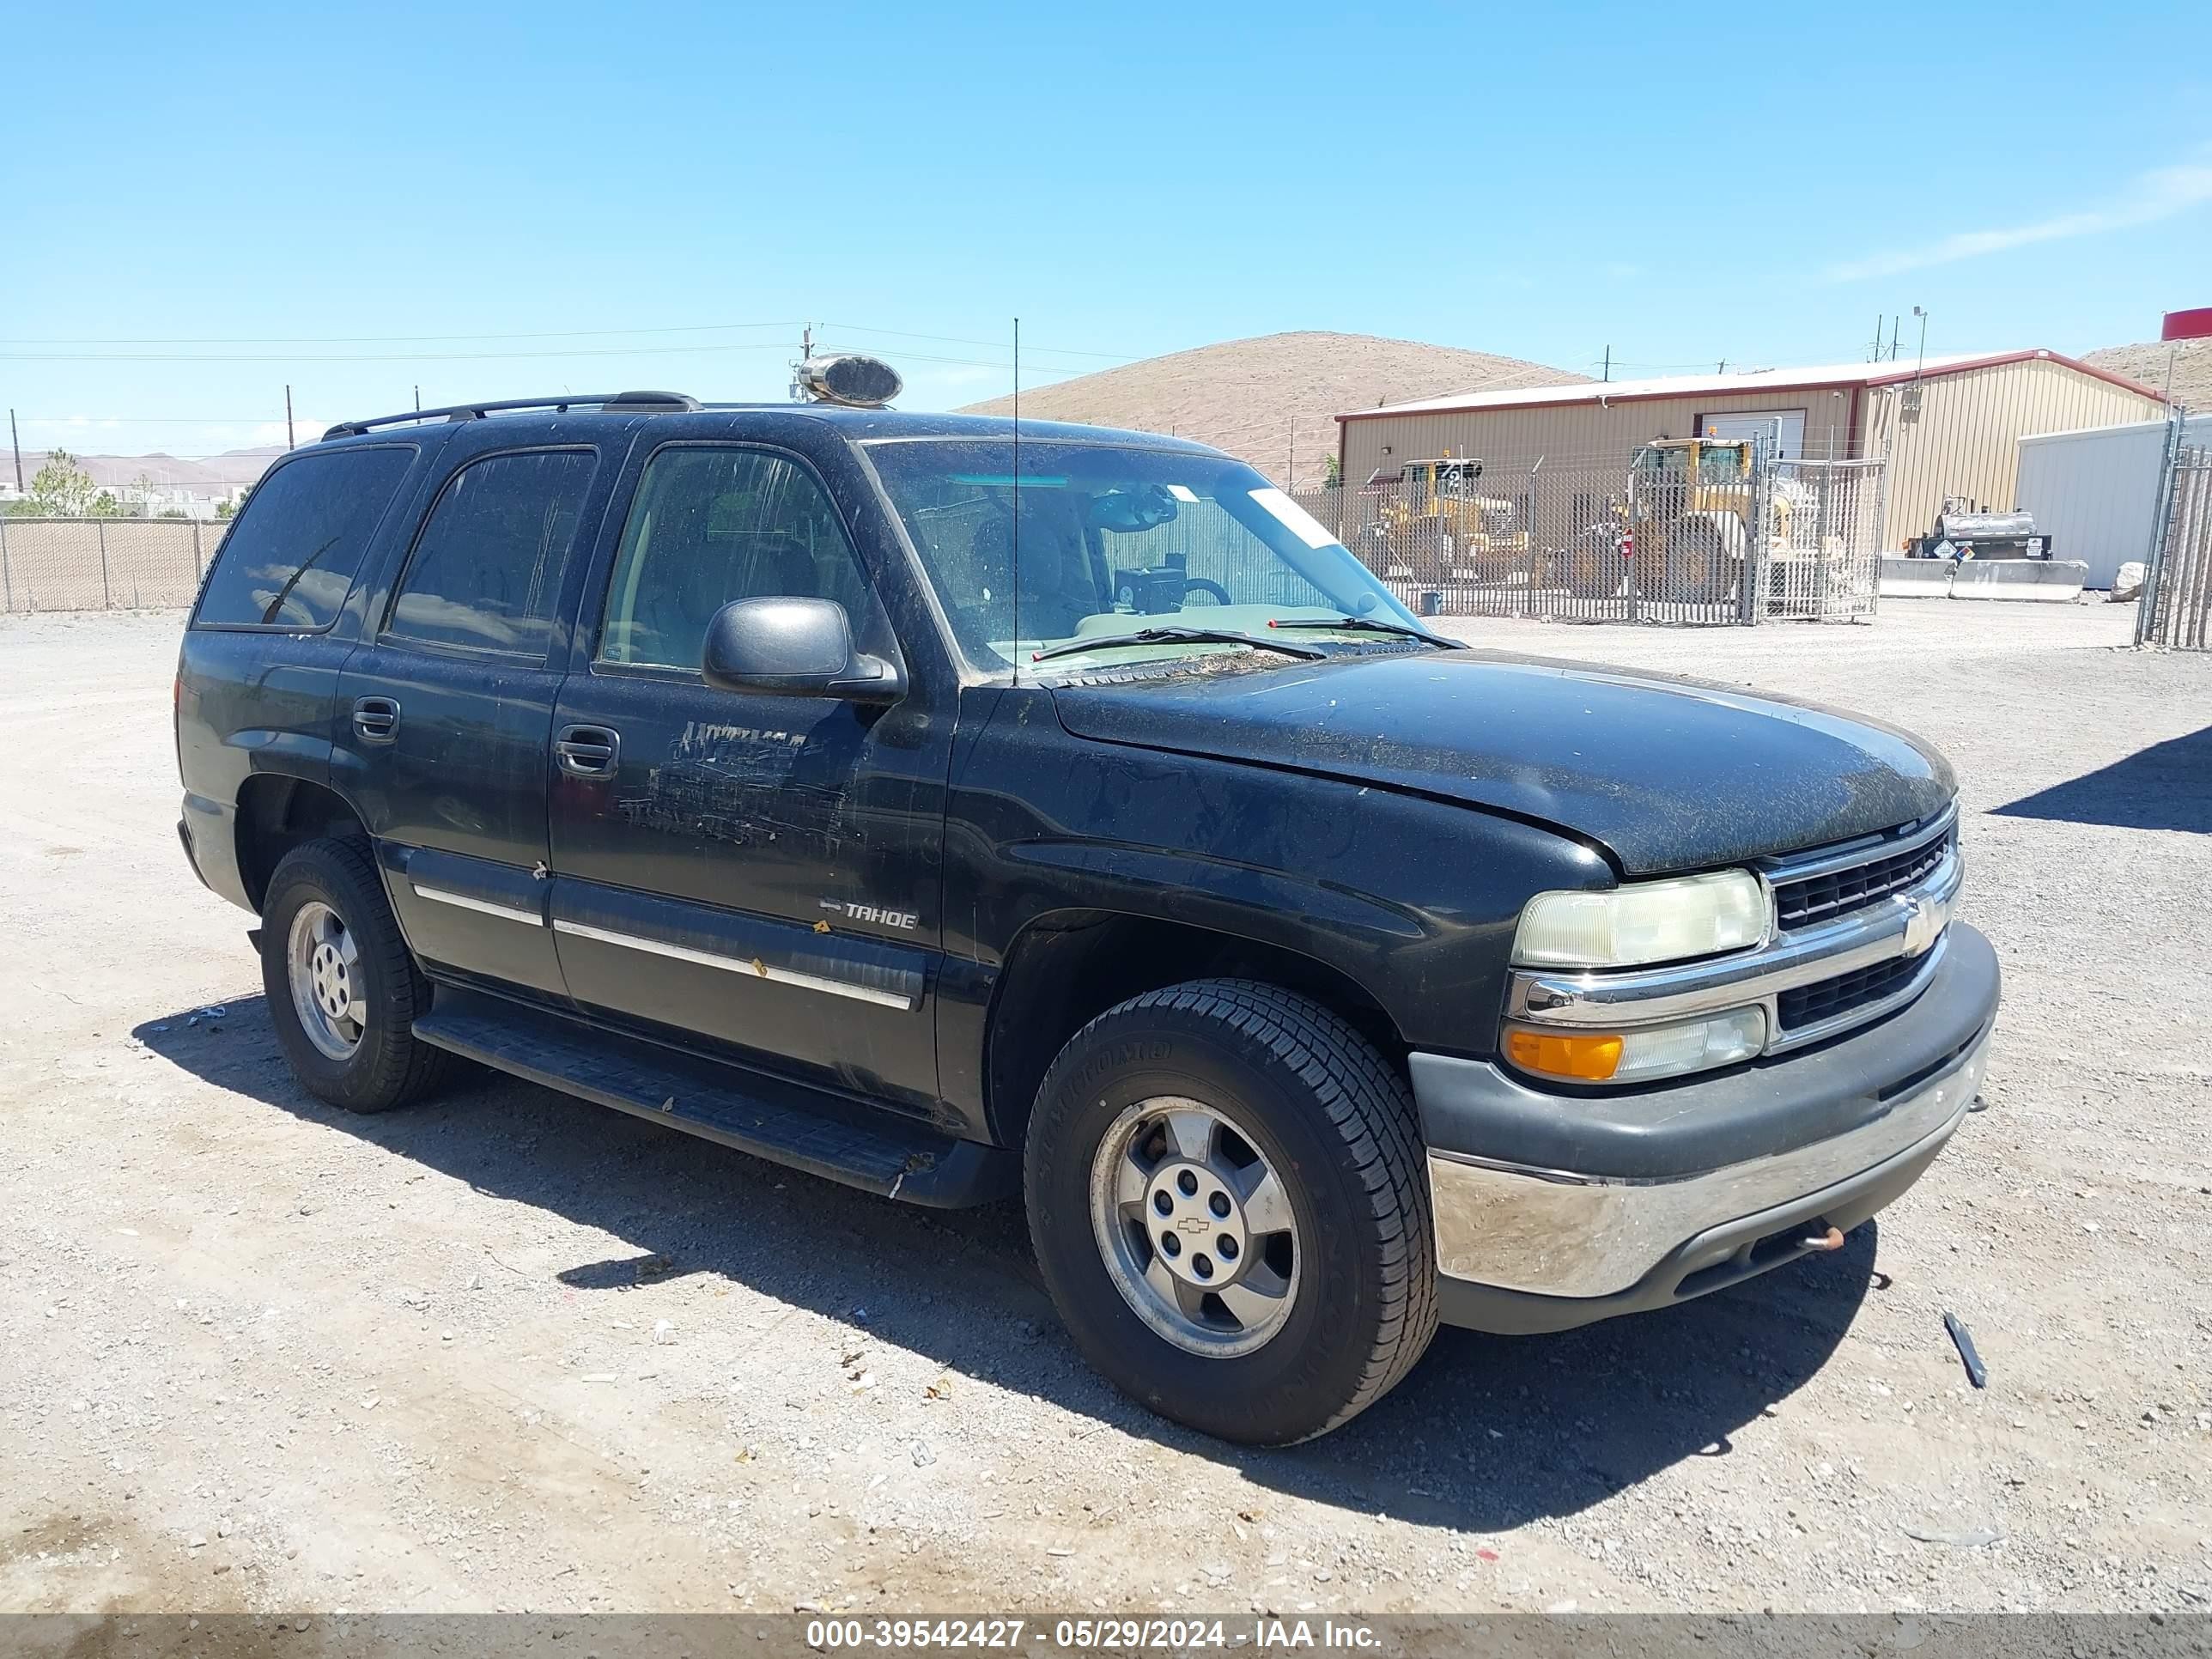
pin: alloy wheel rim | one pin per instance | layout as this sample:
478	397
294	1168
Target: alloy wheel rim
1195	1226
322	961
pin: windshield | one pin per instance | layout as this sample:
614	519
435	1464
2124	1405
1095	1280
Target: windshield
1720	464
1114	540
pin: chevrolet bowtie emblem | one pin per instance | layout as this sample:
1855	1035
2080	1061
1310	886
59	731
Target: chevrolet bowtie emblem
1922	922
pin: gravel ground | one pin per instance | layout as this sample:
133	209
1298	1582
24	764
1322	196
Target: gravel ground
510	1351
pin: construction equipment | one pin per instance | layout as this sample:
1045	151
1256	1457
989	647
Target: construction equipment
1690	509
1964	531
1433	510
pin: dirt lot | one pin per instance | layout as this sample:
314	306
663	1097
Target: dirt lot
511	1351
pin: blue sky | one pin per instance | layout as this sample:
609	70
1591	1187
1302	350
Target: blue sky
358	200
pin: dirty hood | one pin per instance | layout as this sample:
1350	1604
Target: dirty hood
1666	774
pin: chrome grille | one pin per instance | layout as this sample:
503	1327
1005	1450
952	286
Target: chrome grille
1862	933
1798	1009
1816	898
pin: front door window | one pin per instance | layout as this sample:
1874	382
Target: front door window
711	525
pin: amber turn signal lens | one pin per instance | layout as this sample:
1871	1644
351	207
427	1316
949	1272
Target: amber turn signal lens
1587	1059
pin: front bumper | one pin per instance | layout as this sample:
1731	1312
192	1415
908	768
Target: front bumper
1553	1210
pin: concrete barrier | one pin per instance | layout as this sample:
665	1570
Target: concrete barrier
1915	579
2049	582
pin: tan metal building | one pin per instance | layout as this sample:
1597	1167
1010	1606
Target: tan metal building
1950	426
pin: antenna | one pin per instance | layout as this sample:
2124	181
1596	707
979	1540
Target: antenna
1016	556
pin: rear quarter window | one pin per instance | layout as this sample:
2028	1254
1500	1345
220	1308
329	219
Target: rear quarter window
291	559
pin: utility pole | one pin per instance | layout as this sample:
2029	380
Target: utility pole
1607	376
289	444
1922	357
798	393
418	400
18	442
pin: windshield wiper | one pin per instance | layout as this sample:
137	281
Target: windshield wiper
1369	625
1177	636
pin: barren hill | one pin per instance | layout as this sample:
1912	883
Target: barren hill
1263	398
215	475
2192	369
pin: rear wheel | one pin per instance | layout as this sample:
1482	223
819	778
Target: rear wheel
344	991
1227	1200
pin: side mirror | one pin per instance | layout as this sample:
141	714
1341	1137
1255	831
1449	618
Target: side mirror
785	648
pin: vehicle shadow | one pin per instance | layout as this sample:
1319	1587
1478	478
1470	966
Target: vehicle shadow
1486	1434
2168	786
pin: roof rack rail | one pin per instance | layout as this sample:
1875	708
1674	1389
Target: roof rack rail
610	402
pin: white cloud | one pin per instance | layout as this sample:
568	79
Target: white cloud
2161	193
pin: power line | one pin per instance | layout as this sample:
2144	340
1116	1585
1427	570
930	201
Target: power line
152	420
378	357
962	339
119	356
903	356
396	339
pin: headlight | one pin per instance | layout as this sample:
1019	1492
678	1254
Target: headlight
1644	922
1638	1056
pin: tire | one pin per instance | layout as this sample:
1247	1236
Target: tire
1699	563
386	1066
1320	1107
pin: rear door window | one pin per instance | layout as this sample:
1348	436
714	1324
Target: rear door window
486	572
291	558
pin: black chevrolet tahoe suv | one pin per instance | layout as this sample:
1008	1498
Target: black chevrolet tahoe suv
953	809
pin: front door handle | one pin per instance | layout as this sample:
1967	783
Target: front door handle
588	751
376	718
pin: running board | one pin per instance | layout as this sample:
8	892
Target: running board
784	1122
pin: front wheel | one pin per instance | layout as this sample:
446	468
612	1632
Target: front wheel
1701	572
1227	1199
343	989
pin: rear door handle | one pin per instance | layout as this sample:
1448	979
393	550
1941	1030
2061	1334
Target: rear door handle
376	718
588	751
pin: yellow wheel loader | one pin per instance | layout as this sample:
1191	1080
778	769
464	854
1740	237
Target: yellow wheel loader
1689	511
1434	514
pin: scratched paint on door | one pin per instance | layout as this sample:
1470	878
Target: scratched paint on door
747	785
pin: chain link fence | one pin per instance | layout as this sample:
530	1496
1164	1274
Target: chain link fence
1683	532
103	564
1687	533
2176	610
1822	554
